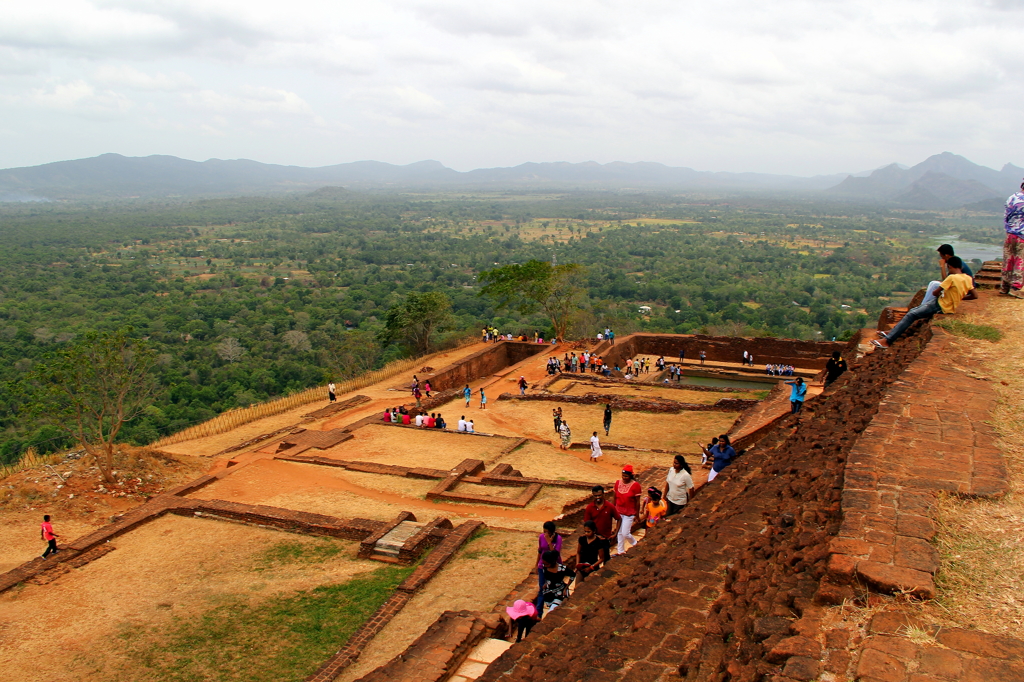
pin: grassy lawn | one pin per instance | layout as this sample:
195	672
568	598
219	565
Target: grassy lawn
284	637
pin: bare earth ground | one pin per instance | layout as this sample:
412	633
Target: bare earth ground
326	490
19	534
647	390
981	582
173	566
413	447
502	558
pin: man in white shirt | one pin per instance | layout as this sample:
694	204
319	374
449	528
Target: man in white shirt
462	424
419	420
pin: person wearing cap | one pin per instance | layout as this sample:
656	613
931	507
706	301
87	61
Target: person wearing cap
603	513
522	385
627	501
523	616
948	295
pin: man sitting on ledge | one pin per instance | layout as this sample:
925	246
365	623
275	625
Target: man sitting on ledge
948	295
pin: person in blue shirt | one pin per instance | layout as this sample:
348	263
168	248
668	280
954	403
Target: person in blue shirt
722	453
467	394
797	394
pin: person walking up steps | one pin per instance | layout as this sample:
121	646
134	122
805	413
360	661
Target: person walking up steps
47	534
797	394
467	394
607	418
522	385
627	500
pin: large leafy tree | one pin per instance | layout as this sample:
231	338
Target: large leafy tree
347	354
92	388
417	319
537	285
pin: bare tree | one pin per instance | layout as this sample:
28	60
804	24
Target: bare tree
92	388
230	350
349	354
297	340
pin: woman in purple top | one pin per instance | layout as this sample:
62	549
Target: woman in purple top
1013	248
548	541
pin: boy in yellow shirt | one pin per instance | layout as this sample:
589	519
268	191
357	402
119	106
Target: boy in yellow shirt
949	293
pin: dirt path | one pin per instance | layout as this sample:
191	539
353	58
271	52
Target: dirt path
173	566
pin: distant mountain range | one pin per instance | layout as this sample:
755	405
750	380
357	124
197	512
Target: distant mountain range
945	180
942	181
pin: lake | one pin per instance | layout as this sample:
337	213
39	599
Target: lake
971	250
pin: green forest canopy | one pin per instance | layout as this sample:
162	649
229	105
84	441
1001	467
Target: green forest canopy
243	299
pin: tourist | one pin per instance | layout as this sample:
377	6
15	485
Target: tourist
387	415
603	513
439	423
627	497
705	450
523	616
607	418
682	356
470	427
591	551
555	580
948	294
835	367
1013	248
721	454
419	420
462	424
483	399
661	364
768	369
797	394
431	421
406	419
703	357
548	541
415	383
426	387
556	416
483	335
416	394
48	536
522	385
654	508
745	354
750	358
565	434
595	447
467	394
331	396
678	484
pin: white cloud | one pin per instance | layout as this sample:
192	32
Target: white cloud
792	86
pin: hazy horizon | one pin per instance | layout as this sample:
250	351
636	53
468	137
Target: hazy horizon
793	88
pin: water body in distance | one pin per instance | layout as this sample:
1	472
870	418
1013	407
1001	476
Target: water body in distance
971	250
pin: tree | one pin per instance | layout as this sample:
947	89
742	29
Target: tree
297	340
349	354
230	350
537	285
92	388
416	319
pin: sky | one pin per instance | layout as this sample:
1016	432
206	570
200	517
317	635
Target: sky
801	87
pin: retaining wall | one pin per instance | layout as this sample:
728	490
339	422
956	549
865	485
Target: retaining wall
803	354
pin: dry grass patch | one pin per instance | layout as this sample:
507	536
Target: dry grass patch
982	576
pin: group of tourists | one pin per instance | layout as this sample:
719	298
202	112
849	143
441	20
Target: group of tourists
492	335
573	363
774	370
606	335
748	358
606	519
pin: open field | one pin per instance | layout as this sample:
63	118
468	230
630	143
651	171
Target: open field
170	569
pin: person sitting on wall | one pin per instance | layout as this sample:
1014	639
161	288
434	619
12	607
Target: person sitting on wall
947	296
835	367
945	253
439	423
462	424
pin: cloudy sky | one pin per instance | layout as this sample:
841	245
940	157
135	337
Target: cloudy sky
791	86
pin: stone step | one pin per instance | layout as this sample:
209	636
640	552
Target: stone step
393	540
482	655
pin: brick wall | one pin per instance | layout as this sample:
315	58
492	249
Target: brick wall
807	354
481	364
623	402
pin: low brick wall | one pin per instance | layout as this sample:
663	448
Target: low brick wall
482	364
629	403
433	564
806	354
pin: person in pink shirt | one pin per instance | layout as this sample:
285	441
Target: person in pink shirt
47	534
627	503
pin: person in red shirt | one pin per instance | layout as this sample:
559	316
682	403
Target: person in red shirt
431	422
603	514
47	534
627	500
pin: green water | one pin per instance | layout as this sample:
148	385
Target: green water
727	383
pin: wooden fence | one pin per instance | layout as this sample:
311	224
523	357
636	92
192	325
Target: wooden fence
30	459
232	419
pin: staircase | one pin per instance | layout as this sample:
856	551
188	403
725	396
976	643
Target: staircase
387	548
990	276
